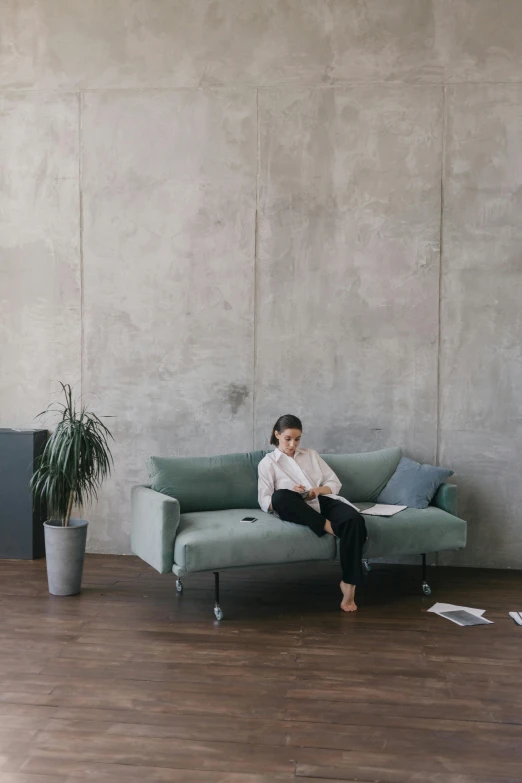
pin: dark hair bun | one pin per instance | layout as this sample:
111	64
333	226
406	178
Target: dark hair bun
286	422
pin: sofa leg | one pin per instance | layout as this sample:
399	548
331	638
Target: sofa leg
179	585
217	609
366	564
426	589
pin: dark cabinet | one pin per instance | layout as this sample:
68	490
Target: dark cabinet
21	521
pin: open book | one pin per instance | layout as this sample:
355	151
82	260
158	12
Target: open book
381	510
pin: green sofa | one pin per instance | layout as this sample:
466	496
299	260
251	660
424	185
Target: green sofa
188	519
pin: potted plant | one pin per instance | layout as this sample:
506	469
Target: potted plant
76	459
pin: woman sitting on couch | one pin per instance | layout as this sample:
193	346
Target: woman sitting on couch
298	486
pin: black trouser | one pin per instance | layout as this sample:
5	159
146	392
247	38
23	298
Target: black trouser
347	524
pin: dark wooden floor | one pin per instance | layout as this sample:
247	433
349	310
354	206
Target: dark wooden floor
129	682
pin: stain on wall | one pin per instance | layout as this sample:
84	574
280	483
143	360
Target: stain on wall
237	396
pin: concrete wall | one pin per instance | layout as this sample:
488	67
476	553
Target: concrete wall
217	211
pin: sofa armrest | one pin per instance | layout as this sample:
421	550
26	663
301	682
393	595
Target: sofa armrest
154	523
447	498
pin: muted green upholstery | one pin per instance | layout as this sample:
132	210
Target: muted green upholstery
190	519
154	523
364	476
212	540
209	540
208	483
447	498
230	480
412	532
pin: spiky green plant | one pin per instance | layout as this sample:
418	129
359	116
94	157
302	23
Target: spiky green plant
76	459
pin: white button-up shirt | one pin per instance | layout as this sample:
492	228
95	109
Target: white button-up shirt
279	471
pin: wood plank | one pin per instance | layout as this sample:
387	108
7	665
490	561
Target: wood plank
306	774
27	777
129	681
172	752
362	765
123	773
203	673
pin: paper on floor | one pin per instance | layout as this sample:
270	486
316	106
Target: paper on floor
517	617
438	608
462	617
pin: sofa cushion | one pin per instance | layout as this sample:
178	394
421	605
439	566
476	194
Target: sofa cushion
447	498
412	532
364	476
230	480
413	484
211	540
208	483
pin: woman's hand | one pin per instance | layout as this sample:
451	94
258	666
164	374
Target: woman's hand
299	488
316	491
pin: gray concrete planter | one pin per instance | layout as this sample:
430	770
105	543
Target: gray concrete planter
65	552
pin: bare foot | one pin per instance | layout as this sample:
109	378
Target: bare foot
348	604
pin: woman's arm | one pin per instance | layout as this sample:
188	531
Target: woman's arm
330	484
265	486
323	490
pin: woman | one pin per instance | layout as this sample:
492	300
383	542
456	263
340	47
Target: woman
298	486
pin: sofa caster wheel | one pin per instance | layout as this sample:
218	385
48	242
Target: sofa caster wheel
426	589
367	566
217	608
179	586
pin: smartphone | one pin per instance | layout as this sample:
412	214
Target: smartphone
249	519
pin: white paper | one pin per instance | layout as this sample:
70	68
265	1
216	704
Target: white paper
463	621
382	510
517	617
438	608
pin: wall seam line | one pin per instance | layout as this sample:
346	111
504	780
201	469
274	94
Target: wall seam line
256	226
80	195
441	258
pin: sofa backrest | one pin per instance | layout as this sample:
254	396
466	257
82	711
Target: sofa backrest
208	483
364	476
230	480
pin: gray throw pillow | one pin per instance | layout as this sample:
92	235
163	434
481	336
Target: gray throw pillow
413	484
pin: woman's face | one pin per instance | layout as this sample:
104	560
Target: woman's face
289	441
